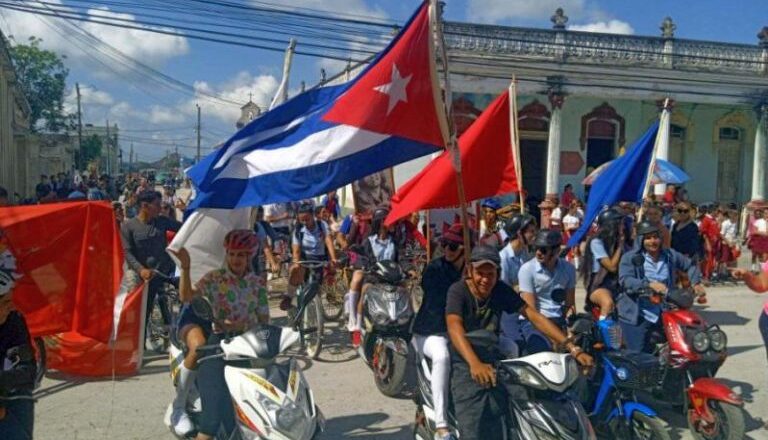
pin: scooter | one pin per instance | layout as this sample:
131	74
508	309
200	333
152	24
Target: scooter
690	352
271	400
385	333
540	402
610	394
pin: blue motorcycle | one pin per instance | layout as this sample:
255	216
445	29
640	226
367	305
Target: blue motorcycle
610	394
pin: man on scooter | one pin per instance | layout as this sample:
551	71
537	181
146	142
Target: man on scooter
238	297
476	303
521	230
649	266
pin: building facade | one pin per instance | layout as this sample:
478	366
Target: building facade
15	156
583	97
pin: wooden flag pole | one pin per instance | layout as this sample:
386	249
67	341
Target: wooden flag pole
446	122
515	137
652	165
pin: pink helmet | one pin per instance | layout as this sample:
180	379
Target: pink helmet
241	240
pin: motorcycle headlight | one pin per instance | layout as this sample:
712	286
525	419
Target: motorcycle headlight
701	342
292	420
718	340
380	318
529	378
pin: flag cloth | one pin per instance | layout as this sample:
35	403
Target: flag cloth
622	181
327	137
487	165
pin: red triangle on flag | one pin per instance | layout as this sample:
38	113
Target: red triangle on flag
396	95
487	165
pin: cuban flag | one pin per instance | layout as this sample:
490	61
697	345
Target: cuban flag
328	137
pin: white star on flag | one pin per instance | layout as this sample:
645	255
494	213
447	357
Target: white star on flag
395	89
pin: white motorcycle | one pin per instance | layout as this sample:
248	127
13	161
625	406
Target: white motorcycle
539	403
271	400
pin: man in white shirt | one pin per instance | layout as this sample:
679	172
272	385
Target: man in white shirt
279	217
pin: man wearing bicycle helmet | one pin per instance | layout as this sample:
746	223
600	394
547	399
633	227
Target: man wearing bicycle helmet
238	297
491	233
311	240
17	364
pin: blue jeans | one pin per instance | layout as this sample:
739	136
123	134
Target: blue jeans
763	324
19	420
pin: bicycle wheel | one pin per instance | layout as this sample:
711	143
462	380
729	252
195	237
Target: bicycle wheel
41	360
312	328
156	332
333	297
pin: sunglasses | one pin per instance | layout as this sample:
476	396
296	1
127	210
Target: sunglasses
682	211
451	246
544	250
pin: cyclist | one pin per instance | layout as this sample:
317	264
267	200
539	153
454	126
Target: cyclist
650	266
430	335
547	284
601	262
476	303
311	240
492	233
239	300
379	246
17	364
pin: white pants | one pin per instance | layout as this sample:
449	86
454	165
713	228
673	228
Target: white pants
435	347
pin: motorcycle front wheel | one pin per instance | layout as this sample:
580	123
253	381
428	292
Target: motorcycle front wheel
312	327
389	371
644	427
728	425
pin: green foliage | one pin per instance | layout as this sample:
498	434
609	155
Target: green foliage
91	149
42	76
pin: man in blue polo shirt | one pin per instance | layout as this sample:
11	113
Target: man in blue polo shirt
548	284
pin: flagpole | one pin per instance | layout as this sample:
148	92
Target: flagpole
446	123
652	165
515	137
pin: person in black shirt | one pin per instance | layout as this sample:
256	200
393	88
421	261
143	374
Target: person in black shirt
476	303
144	239
685	234
430	335
17	364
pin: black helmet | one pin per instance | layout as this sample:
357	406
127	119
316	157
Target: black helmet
517	224
389	272
379	214
609	216
306	208
646	227
548	238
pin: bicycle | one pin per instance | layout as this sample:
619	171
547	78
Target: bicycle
307	317
158	332
335	284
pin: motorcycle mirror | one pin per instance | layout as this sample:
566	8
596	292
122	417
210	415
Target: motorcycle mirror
638	260
202	308
152	262
558	295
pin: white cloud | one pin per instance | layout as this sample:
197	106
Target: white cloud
89	97
495	11
237	89
346	7
163	115
606	27
148	47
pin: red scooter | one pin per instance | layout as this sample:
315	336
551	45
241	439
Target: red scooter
690	353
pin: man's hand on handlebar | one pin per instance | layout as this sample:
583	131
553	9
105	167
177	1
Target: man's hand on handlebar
658	287
483	374
146	274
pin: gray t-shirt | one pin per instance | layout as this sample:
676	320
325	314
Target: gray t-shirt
144	240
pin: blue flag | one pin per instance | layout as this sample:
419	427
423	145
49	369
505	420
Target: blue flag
622	181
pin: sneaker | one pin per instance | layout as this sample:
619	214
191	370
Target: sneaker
356	337
286	303
181	424
449	436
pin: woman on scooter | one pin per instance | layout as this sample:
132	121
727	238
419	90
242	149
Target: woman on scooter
379	246
649	266
238	297
601	262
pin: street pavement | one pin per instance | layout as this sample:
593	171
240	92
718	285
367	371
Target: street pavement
133	407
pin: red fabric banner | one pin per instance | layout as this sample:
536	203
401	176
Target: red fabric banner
487	165
70	258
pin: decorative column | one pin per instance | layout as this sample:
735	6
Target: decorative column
668	34
758	163
662	150
551	200
762	41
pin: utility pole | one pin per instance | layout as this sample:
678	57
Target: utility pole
198	133
109	139
130	159
79	129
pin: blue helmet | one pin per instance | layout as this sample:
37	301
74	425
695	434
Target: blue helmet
490	203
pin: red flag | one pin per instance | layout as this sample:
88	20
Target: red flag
396	94
486	160
70	258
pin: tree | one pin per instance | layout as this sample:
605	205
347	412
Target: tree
42	76
91	149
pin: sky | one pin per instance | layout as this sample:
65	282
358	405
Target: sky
156	119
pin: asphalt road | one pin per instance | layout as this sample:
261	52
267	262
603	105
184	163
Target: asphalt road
133	407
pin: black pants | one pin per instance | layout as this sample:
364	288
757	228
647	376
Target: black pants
214	394
19	420
155	288
763	324
479	411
